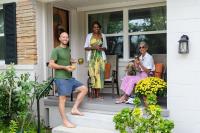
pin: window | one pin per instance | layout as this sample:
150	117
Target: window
149	25
115	45
147	19
157	43
112	27
145	24
2	41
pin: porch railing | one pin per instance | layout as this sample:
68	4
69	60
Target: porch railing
40	95
45	92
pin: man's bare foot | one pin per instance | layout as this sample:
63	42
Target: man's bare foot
68	124
76	112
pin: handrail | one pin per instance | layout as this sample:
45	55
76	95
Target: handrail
43	93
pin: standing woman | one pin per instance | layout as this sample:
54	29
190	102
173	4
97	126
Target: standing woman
96	44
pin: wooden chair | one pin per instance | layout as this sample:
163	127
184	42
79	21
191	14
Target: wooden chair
160	66
112	80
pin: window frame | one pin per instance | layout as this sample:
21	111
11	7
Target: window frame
125	33
2	62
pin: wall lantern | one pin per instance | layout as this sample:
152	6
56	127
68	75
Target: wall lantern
183	45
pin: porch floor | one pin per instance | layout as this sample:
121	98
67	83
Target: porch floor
107	104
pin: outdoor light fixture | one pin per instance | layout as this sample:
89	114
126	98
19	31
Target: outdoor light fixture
183	45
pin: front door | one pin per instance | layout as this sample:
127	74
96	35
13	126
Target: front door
60	23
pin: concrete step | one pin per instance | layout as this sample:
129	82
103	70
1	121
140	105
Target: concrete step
107	105
91	118
80	129
98	113
91	122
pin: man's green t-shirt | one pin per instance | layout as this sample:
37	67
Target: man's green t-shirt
61	56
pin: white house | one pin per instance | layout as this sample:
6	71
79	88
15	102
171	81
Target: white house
125	22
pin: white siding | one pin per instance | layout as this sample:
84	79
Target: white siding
7	1
183	70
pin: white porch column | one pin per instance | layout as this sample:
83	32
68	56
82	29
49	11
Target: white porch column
183	69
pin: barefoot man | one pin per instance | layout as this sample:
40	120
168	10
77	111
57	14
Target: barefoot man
61	62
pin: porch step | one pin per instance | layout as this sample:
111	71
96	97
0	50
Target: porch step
107	105
98	113
91	119
89	123
79	129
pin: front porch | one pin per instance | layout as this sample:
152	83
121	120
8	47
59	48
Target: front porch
98	114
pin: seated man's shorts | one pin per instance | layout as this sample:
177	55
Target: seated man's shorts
66	86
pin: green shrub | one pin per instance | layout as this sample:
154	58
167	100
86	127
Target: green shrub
17	95
148	120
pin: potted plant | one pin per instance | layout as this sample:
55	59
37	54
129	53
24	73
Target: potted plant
138	120
151	85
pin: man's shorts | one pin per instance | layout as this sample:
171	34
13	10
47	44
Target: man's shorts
66	86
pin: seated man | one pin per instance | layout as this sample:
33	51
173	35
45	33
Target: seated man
146	64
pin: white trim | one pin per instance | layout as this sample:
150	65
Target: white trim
125	35
7	1
129	8
147	32
67	7
1	8
19	67
147	6
116	34
135	4
104	11
2	62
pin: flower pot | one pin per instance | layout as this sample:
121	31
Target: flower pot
145	100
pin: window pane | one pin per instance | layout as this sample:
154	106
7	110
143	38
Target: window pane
156	42
1	22
111	22
115	45
148	19
2	47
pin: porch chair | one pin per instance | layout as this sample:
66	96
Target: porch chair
111	75
160	66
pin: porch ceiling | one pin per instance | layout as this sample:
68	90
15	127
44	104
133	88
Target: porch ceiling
83	3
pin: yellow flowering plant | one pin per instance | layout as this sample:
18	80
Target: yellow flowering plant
151	85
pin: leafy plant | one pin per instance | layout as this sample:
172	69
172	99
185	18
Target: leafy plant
13	126
151	85
17	95
148	120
